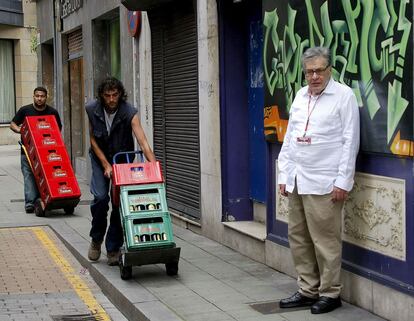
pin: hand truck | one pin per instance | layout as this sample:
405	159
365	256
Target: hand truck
139	190
46	153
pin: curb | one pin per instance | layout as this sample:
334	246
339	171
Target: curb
135	302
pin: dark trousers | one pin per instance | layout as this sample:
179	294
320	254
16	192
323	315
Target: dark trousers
99	209
31	193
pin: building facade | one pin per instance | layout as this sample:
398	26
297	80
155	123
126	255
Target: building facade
18	61
206	76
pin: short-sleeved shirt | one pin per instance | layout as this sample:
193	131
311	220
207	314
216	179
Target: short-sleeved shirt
29	110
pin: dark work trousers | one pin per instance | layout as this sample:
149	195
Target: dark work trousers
31	193
99	209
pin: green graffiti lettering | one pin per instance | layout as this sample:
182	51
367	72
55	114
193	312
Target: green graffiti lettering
372	39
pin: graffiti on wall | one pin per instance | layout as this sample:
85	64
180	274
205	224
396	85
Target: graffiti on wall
370	42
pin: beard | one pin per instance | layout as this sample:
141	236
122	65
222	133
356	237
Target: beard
110	110
39	106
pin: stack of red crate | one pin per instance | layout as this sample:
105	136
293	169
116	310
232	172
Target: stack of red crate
50	162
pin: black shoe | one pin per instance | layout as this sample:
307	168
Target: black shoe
296	300
325	304
29	209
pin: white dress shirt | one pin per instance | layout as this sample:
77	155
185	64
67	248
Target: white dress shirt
333	129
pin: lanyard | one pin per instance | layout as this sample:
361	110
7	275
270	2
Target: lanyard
310	111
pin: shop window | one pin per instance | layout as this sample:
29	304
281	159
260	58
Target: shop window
7	94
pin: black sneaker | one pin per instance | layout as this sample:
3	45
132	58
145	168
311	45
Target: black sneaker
29	209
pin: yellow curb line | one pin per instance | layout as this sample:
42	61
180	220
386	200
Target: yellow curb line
77	283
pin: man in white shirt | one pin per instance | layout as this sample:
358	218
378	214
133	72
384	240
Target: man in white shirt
316	172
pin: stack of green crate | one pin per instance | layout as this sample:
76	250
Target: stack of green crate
145	217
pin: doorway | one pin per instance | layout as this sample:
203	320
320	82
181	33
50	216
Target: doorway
76	109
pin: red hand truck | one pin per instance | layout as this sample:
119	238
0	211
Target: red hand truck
50	163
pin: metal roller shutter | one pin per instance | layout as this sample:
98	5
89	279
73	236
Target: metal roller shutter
175	103
75	45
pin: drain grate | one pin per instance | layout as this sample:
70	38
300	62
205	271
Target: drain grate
273	307
76	317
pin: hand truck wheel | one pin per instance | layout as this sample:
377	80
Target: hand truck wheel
171	268
69	210
38	208
125	271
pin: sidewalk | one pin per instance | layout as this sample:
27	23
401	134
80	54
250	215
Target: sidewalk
214	283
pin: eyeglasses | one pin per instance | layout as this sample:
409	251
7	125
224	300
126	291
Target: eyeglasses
319	71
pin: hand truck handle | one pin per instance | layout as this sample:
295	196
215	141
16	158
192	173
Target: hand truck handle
128	155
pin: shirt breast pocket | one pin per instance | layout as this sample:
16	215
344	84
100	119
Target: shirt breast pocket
329	119
326	123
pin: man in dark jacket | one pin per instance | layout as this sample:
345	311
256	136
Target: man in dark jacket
37	108
111	123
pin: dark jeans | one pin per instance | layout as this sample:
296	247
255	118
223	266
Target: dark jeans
31	193
99	209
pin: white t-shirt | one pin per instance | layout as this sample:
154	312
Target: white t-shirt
109	118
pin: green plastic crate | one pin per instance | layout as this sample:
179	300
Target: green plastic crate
152	231
145	217
146	198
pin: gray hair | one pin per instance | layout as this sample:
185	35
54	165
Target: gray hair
316	52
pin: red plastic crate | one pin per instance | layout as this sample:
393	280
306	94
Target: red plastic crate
134	174
51	156
32	145
48	138
52	190
40	131
61	170
40	123
36	127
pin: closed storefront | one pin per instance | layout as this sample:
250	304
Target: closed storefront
175	103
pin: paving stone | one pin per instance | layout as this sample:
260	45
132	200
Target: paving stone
32	284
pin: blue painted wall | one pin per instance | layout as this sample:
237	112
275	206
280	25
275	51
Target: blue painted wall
257	152
234	121
389	271
241	103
